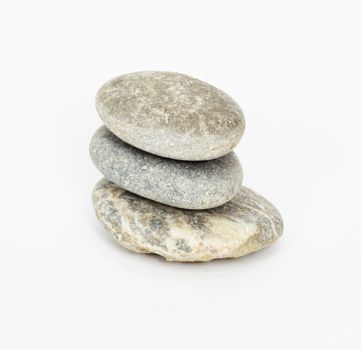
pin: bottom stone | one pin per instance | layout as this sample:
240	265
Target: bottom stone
241	226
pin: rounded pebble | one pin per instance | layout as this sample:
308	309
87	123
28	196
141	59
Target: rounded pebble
171	115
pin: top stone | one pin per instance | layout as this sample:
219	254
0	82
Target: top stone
171	115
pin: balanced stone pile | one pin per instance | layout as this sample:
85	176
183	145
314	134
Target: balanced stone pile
172	185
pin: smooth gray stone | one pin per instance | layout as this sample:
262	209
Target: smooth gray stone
241	226
191	185
171	115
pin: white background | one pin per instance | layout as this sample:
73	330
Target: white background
293	66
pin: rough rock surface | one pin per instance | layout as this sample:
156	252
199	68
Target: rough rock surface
171	115
245	224
190	185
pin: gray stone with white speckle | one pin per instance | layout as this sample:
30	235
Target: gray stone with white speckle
171	115
243	225
190	185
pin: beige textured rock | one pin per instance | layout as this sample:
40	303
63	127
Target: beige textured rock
243	225
171	115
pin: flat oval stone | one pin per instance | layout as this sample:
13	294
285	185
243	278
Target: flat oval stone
191	185
245	224
171	115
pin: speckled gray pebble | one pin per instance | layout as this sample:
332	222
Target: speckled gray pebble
191	185
171	115
241	226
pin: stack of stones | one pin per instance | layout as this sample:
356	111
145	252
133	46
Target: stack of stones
172	185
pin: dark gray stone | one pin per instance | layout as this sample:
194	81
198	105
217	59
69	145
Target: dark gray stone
191	185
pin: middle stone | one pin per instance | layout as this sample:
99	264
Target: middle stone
182	184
